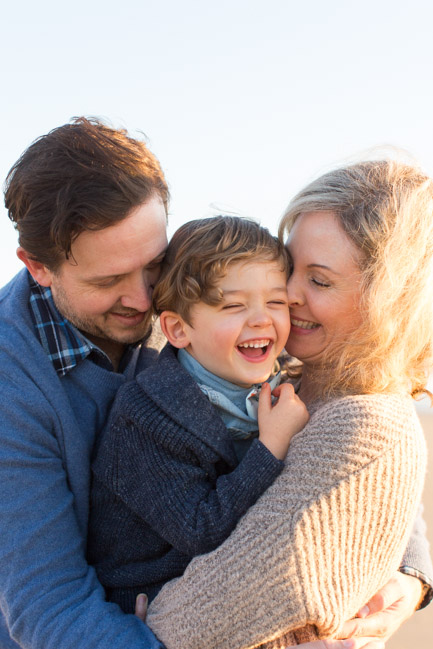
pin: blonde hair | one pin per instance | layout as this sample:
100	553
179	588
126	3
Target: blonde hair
199	254
386	209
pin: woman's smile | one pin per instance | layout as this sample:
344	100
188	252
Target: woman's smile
323	288
303	325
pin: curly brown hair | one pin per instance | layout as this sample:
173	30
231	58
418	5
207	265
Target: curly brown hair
199	254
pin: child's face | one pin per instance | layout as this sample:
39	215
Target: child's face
239	338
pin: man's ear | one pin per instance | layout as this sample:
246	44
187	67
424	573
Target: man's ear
175	329
37	270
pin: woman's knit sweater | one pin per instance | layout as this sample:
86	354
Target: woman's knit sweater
317	545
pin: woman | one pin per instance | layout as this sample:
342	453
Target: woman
333	527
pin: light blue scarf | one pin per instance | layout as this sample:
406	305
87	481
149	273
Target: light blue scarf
236	406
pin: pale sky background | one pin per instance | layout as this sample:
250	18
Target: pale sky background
242	101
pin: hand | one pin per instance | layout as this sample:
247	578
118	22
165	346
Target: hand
279	422
352	643
141	606
387	610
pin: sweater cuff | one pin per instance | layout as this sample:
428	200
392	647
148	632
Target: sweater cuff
267	462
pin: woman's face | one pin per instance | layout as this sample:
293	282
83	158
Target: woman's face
323	287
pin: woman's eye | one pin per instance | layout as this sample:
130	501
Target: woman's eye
319	283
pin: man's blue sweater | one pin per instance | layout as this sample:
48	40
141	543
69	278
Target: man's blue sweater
49	595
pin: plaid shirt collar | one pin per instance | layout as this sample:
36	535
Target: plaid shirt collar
64	345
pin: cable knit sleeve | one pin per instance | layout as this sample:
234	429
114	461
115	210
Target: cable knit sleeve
317	545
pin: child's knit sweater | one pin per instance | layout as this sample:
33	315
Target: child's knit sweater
167	484
317	545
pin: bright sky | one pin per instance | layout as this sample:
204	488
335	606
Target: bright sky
243	101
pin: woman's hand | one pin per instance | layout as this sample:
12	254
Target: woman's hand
352	643
387	610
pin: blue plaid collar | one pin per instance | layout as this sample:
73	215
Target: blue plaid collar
64	345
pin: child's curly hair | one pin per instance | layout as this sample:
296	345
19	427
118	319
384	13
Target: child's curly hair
199	254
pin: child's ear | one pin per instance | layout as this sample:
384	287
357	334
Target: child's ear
37	270
175	329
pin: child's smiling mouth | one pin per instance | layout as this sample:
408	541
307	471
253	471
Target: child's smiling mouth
255	349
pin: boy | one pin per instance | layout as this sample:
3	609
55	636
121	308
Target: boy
182	458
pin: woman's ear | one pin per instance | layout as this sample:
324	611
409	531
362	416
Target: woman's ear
175	329
37	270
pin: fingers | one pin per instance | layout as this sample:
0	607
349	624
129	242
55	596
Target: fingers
377	626
400	589
370	643
391	592
354	643
141	607
351	643
283	388
265	404
387	610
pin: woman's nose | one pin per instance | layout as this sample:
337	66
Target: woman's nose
294	292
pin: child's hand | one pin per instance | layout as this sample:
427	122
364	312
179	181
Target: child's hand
279	422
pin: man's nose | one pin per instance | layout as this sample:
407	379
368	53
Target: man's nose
138	293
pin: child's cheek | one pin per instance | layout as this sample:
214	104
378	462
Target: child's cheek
227	335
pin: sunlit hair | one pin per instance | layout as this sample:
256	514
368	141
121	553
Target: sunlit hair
199	255
386	209
84	175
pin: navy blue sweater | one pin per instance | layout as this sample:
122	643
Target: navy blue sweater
167	485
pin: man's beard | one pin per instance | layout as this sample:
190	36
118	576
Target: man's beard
90	328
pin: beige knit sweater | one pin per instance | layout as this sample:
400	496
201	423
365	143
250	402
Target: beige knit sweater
317	545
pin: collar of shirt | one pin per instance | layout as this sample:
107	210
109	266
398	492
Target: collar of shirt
237	406
63	343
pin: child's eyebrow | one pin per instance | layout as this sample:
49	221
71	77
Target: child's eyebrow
233	291
273	289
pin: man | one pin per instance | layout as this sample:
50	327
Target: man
90	204
90	207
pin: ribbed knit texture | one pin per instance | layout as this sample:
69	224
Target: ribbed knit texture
317	545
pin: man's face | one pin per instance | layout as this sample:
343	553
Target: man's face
105	287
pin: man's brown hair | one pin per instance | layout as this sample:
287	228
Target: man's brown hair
83	175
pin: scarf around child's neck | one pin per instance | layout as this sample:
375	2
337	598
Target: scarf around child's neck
237	406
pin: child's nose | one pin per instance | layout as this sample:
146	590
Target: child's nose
259	318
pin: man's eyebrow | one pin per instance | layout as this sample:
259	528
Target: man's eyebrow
98	278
